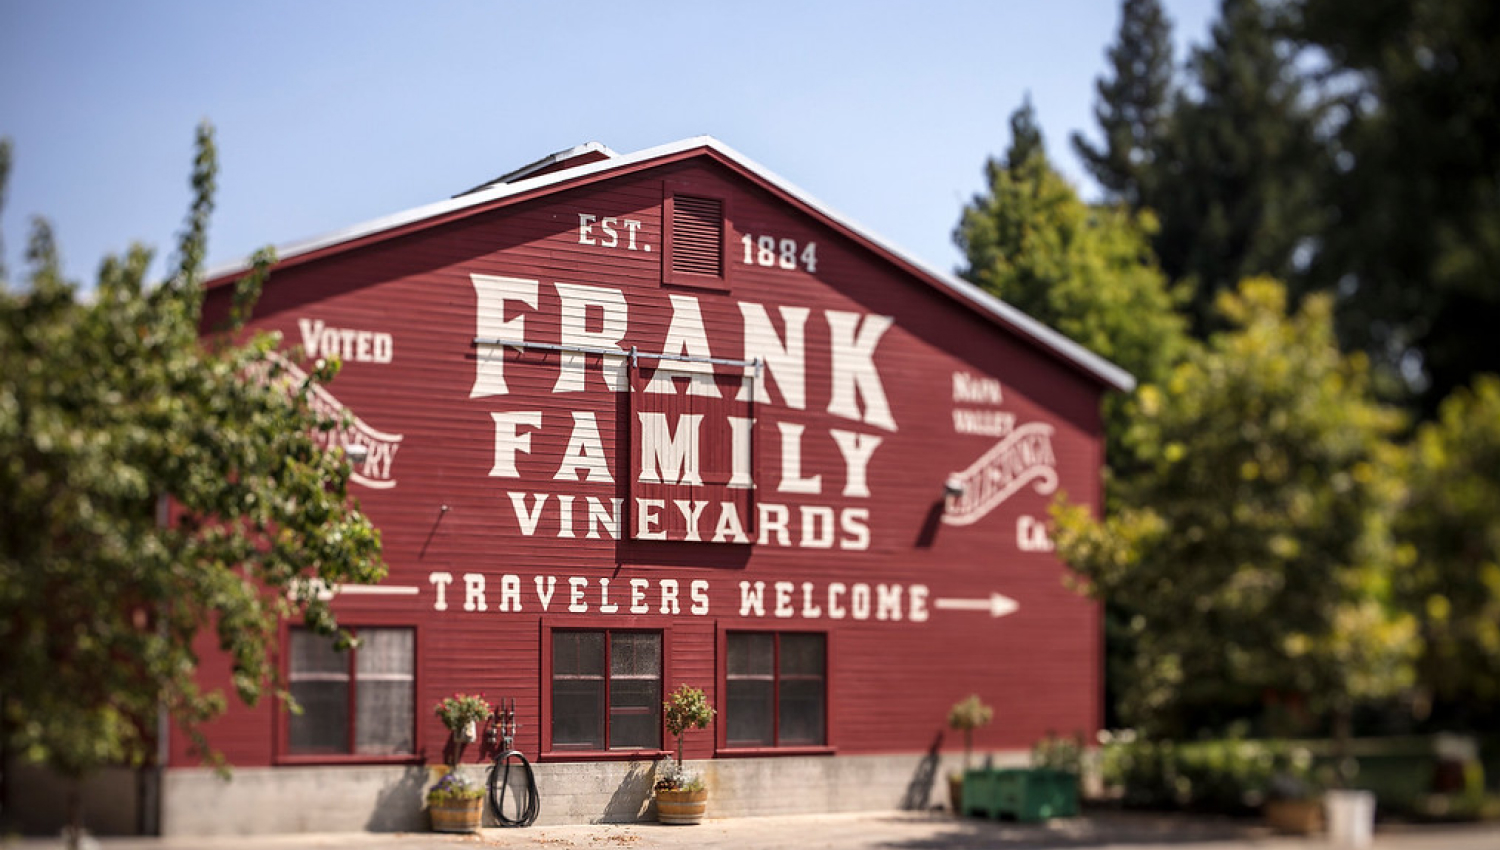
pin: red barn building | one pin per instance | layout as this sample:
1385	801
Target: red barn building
639	421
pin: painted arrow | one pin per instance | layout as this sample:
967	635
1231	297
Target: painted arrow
997	605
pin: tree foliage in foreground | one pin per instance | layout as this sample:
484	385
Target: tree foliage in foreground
1450	528
1253	547
1085	271
111	408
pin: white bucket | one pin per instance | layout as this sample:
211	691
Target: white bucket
1351	817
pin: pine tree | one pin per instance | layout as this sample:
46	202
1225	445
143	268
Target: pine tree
1415	253
1132	106
1237	185
1086	272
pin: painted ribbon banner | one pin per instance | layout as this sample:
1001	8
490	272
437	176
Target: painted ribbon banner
381	447
1022	457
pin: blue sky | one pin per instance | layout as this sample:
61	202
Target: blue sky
332	113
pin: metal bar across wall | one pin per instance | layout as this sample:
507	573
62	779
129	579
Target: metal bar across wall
633	353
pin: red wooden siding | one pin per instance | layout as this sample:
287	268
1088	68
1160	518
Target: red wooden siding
848	540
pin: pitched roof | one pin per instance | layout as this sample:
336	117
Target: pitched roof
593	161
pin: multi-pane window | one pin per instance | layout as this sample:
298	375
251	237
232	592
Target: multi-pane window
606	690
777	689
354	702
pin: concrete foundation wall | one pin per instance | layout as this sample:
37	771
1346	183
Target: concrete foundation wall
383	799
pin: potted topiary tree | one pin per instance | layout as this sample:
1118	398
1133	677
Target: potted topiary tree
455	803
681	796
966	715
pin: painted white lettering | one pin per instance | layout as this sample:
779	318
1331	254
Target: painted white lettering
990	423
691	511
856	525
887	601
583	459
312	331
774	520
669	596
784	598
564	516
544	591
490	323
668	457
648	519
685	336
527	519
810	610
638	596
577	586
574	316
791	462
1031	535
729	528
786	361
605	606
740	457
971	389
474	592
853	369
817	527
585	222
859	601
698	592
348	344
631	226
509	440
917	597
752	598
440	582
605	518
510	593
611	239
856	449
836	589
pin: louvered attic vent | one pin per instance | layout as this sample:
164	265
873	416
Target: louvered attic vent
698	235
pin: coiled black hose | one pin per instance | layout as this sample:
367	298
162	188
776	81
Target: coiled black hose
499	783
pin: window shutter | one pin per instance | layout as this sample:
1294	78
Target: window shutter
698	235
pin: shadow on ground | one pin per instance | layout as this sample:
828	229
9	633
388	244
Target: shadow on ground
1094	830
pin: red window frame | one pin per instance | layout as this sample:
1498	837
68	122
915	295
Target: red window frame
282	717
551	751
725	748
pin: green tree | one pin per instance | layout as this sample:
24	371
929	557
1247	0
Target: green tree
1414	249
1085	271
1254	548
1132	106
1236	187
1451	553
153	490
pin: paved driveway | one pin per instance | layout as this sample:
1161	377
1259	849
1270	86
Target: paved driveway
892	830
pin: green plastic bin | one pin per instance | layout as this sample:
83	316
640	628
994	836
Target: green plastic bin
1023	794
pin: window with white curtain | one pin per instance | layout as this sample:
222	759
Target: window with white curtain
359	701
